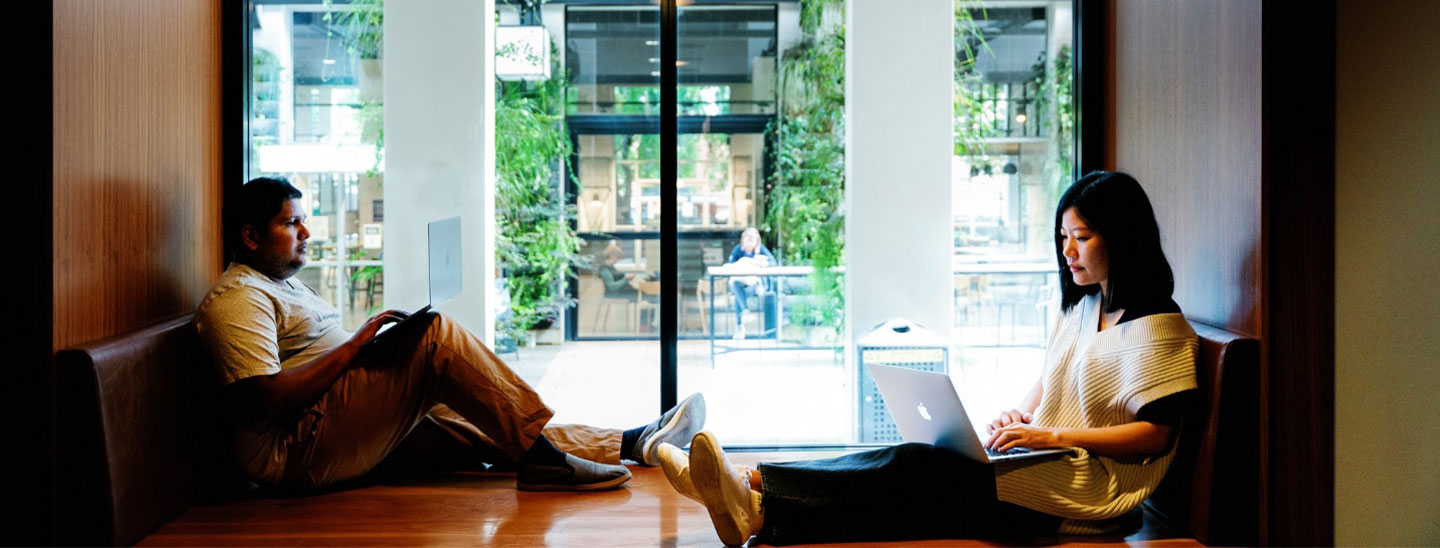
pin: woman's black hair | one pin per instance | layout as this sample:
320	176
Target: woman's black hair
1114	206
254	204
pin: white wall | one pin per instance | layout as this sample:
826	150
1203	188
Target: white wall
898	145
439	148
1387	297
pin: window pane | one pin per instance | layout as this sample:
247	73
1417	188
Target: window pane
573	168
1014	138
315	114
762	341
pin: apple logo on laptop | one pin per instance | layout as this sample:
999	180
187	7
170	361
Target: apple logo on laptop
923	413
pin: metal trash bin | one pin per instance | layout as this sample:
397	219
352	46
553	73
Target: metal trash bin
902	343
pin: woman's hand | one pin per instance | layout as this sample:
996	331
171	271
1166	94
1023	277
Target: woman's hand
1018	434
1007	418
372	326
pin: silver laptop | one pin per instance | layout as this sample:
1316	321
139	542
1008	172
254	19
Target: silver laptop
927	410
445	277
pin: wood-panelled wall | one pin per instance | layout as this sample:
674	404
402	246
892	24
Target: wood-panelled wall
1187	126
1224	111
137	162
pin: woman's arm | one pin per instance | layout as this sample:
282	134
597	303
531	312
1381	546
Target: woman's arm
1135	438
1024	414
613	278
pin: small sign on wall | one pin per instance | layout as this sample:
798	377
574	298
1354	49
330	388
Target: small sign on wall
371	235
319	227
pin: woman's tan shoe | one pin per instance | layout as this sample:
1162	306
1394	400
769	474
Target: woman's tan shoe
734	508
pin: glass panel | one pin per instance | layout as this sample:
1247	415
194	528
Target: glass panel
593	184
756	317
1014	139
315	112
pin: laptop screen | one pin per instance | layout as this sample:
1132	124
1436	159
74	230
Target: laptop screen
445	272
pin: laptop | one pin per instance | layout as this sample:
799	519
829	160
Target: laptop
927	410
444	276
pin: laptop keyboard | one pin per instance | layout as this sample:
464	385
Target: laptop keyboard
1015	451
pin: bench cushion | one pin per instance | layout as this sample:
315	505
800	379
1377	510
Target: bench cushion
1212	490
135	434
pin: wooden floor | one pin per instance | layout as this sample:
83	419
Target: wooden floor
483	509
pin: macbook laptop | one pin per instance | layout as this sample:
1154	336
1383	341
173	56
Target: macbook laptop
927	410
444	276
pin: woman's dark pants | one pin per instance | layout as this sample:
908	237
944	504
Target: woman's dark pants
909	491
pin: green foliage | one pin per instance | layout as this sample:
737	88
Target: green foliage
1059	88
972	123
360	28
535	243
804	211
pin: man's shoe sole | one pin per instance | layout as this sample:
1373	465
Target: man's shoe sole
648	454
598	486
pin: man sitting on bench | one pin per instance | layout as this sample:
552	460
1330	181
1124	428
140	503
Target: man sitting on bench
313	405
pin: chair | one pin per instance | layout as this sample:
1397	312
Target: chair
647	297
702	298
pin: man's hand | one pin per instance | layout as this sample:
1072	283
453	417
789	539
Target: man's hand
1008	418
1022	435
372	326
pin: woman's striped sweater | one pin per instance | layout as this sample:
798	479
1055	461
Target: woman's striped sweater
1095	379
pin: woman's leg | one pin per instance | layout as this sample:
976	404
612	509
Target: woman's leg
909	491
740	291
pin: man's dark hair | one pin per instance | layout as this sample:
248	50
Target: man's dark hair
254	204
1115	207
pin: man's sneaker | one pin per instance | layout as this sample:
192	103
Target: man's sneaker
734	508
674	427
739	332
576	474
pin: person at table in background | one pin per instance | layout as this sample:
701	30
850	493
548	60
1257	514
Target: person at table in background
617	283
748	253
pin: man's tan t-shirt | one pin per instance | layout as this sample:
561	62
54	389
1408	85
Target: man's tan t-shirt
253	325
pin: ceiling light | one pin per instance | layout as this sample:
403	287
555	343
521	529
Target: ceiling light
314	91
652	42
681	63
329	61
1020	118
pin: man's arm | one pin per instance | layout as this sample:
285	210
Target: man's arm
269	397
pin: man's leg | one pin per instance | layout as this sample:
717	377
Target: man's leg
394	384
444	441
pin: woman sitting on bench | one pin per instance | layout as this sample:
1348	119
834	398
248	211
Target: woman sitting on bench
1119	360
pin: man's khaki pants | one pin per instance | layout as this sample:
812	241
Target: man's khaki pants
436	398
